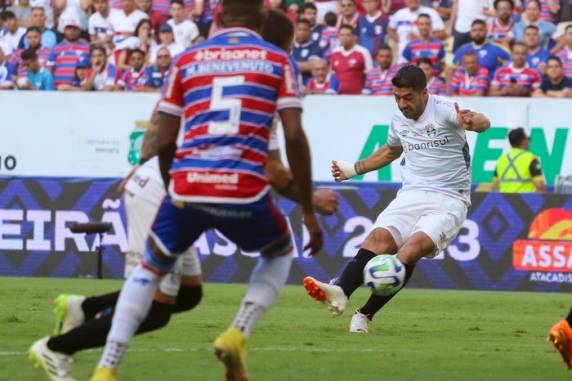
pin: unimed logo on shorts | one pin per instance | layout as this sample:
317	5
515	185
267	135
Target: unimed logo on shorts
549	247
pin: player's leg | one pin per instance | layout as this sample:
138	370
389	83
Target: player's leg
267	232
173	232
385	237
560	335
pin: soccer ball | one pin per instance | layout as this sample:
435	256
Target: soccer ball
384	274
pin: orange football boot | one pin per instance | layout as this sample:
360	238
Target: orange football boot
560	336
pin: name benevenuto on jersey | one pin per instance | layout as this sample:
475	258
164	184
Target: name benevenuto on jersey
431	144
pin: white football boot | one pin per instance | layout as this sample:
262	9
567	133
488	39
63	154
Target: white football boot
330	294
56	365
359	323
68	313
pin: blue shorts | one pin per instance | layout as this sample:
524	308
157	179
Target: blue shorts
252	227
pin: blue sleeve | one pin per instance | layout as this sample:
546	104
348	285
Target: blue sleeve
504	55
335	84
49	81
149	77
11	70
52	56
407	52
459	55
442	52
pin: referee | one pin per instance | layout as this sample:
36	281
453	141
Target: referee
519	170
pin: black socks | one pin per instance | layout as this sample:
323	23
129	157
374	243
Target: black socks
93	305
352	276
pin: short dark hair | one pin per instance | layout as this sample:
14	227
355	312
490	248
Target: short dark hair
497	2
479	22
277	28
29	54
330	18
348	27
7	15
384	47
302	20
554	58
516	136
247	13
425	60
33	29
469	53
180	2
94	48
515	44
138	51
424	15
311	6
532	27
410	76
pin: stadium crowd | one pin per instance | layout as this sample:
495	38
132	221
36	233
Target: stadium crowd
465	47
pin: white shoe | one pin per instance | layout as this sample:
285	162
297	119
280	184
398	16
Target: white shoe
359	323
56	365
330	294
68	313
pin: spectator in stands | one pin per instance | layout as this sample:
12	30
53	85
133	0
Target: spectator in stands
101	75
554	84
350	62
37	78
65	55
166	40
143	39
156	16
309	11
81	68
12	33
470	80
532	17
378	80
537	56
204	12
565	54
322	80
402	25
133	15
425	46
549	9
105	23
33	41
325	6
501	26
372	27
38	20
157	74
518	171
185	31
348	14
443	7
329	38
23	12
491	56
462	16
7	73
516	79
305	49
435	85
134	79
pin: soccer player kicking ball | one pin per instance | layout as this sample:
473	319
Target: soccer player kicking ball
224	93
432	204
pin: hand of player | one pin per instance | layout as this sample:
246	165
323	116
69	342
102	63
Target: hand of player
464	118
315	231
326	201
342	170
121	186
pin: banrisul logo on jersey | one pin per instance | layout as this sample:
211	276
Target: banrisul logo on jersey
547	252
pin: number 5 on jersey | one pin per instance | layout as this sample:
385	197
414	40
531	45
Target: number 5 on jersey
222	104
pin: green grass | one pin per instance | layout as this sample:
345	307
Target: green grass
422	335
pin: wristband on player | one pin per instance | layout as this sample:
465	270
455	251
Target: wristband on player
348	169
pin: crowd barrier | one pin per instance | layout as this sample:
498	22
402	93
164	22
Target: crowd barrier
508	242
99	134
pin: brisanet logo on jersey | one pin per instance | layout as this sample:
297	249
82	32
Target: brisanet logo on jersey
547	252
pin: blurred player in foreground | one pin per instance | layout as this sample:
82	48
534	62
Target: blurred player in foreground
84	322
224	92
560	336
431	206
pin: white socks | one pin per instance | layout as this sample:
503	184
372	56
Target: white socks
131	309
266	281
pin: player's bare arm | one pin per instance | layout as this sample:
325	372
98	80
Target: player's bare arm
150	146
167	143
342	171
472	121
298	153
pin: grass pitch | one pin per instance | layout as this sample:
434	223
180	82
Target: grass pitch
421	335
